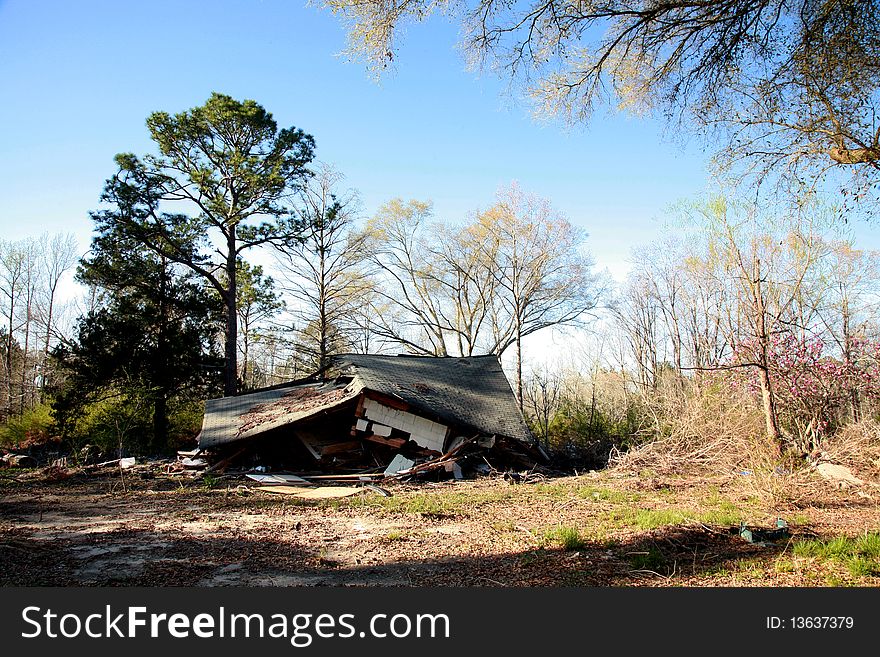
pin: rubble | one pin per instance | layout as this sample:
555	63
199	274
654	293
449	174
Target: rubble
381	417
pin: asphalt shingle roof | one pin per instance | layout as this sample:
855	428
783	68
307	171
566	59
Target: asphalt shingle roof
470	391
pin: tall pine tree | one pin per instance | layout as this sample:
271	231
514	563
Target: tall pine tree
154	337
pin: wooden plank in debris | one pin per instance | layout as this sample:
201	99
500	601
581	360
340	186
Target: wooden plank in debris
388	400
438	462
320	493
359	410
366	476
221	465
396	443
340	448
290	480
308	445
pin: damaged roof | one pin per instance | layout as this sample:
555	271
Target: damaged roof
471	391
228	419
468	392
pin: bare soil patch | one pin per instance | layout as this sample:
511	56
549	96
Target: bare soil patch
598	529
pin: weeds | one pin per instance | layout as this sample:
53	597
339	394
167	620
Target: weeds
860	555
568	538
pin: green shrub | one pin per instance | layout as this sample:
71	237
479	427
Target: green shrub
122	422
33	426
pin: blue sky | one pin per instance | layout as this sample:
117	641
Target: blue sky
79	79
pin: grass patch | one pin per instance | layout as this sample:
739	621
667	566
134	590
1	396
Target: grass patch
645	519
568	538
720	517
860	555
607	495
838	561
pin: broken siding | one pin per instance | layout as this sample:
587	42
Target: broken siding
423	432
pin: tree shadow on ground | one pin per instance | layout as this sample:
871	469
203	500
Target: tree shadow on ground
668	556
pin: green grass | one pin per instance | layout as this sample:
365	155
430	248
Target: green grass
568	538
644	519
722	517
606	495
860	555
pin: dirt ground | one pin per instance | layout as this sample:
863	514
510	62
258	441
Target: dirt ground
597	529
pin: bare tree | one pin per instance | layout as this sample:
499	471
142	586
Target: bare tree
517	269
544	279
636	312
847	301
326	277
257	303
58	253
435	284
542	393
769	265
13	266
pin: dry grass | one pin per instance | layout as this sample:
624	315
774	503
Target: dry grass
703	431
708	432
856	446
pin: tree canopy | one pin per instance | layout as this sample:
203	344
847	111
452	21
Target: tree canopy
793	83
231	174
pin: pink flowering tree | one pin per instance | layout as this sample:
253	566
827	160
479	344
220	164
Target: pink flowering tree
814	391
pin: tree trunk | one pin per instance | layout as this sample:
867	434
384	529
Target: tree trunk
854	401
160	399
519	383
230	376
245	333
45	373
160	422
771	421
24	356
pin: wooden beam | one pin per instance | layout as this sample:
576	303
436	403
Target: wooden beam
338	448
387	400
397	443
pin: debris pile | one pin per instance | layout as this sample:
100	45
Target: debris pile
380	418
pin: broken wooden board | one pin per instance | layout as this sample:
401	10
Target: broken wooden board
340	448
367	476
320	493
396	443
290	480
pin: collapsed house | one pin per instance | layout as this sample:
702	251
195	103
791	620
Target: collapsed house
385	414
